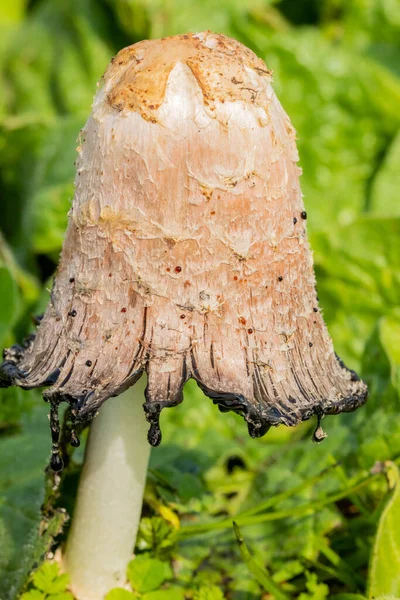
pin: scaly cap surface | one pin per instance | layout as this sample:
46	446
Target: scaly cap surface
186	253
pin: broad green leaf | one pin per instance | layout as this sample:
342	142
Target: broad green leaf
61	596
384	571
358	273
41	198
156	535
29	69
390	336
208	592
290	569
57	57
12	12
82	50
49	579
243	586
26	282
172	593
33	595
347	597
386	184
23	458
119	594
13	404
373	27
315	589
9	302
51	191
50	218
45	576
146	573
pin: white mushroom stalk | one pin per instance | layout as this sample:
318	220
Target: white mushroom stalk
109	501
186	253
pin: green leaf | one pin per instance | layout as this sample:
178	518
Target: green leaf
23	458
25	281
48	197
61	596
384	199
373	27
49	579
65	56
33	595
146	573
45	576
13	404
243	586
390	336
156	535
348	597
315	590
358	268
51	191
119	594
210	592
172	593
29	69
384	572
12	12
9	302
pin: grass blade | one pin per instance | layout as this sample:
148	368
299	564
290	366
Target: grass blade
259	574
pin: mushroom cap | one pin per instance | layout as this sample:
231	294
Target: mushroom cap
186	253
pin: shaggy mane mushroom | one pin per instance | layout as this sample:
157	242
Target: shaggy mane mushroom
186	254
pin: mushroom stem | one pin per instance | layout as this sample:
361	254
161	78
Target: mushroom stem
109	500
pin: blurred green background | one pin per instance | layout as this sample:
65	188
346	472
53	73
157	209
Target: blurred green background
336	70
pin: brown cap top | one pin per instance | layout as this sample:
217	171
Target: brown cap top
137	77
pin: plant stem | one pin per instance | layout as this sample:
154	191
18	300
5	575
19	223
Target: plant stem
109	500
303	510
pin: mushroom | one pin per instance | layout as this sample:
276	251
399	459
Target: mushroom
186	256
